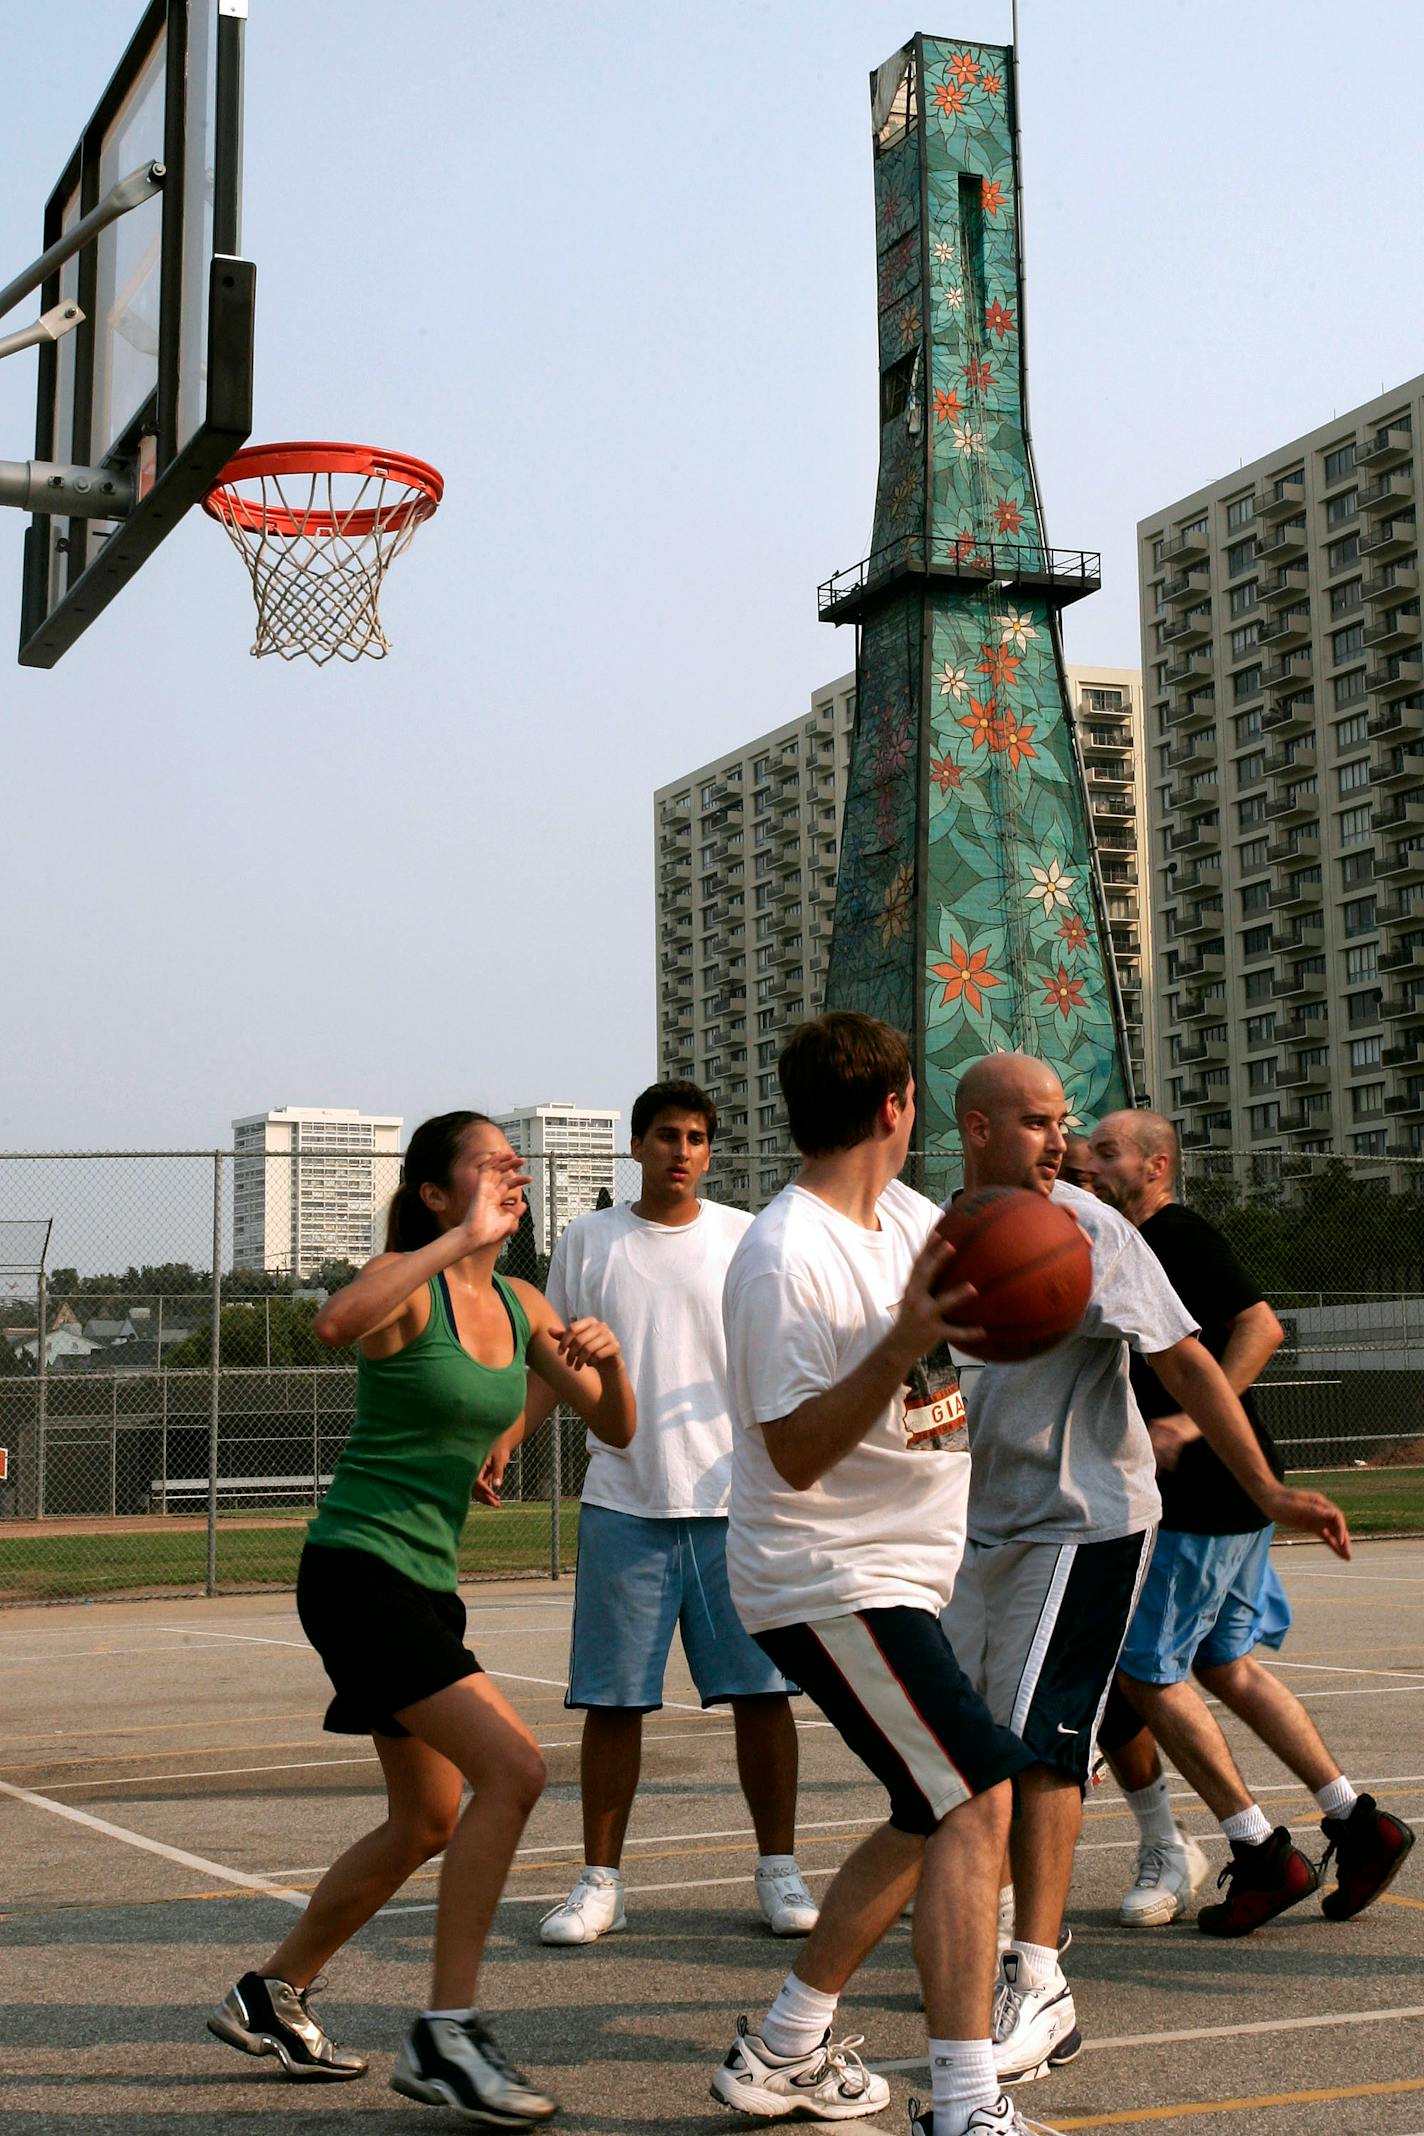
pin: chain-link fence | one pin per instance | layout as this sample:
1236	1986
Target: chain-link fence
168	1420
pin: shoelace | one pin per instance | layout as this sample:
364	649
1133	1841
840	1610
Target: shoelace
584	1888
493	2053
1007	2004
1150	1856
842	2057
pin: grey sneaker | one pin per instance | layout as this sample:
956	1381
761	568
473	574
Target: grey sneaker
458	2063
260	2016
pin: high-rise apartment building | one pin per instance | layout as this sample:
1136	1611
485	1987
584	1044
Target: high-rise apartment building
1285	692
1106	704
745	858
573	1149
311	1184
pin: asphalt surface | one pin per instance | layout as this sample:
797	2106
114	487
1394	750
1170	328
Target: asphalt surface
186	1790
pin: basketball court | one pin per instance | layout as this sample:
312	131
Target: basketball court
169	1796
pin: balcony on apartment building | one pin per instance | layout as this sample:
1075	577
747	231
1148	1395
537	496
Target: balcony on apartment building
1207	964
1295	715
1190	667
1393	537
1403	721
1187	633
1406	1009
1406	1104
1301	983
1187	549
1202	875
1307	1119
1406	1052
1403	865
1292	759
1286	584
1296	894
1187	711
1390	491
1286	672
1405	813
1300	844
1202	919
1303	1031
1305	932
1189	796
1395	582
1197	836
1397	769
1280	498
1207	1138
1396	675
1393	633
1192	1003
1187	586
1194	752
1385	446
1282	632
1207	1052
1304	1075
1284	544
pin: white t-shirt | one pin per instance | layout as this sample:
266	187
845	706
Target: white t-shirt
1061	1453
808	1294
659	1287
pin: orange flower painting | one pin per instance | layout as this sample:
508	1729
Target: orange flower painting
1064	994
965	977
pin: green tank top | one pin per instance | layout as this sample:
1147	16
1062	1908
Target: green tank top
425	1419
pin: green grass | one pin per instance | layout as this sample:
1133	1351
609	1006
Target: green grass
108	1561
114	1560
1380	1501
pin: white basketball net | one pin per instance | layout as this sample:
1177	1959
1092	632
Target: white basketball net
317	583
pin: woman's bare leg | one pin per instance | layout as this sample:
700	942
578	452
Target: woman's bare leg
423	1792
474	1727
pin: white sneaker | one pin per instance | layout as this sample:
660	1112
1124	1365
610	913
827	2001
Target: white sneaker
1166	1877
1035	2029
1001	2119
829	2084
592	1909
787	1906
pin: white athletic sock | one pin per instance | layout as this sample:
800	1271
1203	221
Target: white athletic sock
596	1873
1006	1910
799	2019
1038	1962
771	1863
1153	1811
1337	1799
962	2072
456	2017
1249	1826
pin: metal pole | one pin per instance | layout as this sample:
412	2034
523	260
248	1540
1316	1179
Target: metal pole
163	1398
214	1382
114	1446
556	1492
316	1442
42	1401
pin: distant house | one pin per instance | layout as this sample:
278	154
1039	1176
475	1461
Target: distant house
64	1342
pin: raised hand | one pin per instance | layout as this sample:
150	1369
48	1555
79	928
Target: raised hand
496	1204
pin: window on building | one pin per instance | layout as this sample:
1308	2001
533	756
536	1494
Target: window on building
1344	644
1346	596
1352	732
1256	897
1348	688
1247	725
1261	1030
1357	868
1243	641
1246	684
1250	770
1252	855
1339	462
1256	942
1240	510
1359	916
1342	507
1369	1145
1366	1099
1261	1075
1240	556
1356	824
1258	986
1251	811
1265	1119
1341	554
1242	598
1349	778
1361	963
1363	1008
1366	1052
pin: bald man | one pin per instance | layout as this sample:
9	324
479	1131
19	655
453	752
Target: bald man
1063	1502
1211	1598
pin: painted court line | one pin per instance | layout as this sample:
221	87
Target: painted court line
1191	2109
239	1877
1219	2032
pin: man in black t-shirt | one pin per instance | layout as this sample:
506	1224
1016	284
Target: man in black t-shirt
1210	1598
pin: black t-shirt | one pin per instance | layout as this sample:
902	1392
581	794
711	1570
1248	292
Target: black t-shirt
1200	1496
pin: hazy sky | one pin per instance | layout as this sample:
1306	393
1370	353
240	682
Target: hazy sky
610	266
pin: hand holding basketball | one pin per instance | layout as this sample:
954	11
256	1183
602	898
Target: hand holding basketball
1031	1267
935	1303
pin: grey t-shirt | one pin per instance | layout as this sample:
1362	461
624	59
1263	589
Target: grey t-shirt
1060	1451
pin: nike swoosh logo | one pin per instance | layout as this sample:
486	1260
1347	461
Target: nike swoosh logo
1066	1731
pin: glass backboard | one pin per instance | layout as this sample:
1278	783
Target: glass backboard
157	381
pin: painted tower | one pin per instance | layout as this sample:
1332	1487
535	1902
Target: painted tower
969	908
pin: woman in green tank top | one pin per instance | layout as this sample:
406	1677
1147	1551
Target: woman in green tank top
445	1345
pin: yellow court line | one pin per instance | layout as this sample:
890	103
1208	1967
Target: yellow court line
1392	1898
1139	2114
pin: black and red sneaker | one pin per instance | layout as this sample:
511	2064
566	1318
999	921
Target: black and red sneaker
1261	1882
1369	1847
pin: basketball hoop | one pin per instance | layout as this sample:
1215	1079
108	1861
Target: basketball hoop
318	527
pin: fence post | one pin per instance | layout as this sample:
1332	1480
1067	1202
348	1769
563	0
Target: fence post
42	1393
316	1444
556	1421
114	1446
213	1378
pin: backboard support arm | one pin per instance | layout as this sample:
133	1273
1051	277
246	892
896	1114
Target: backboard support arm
121	199
53	325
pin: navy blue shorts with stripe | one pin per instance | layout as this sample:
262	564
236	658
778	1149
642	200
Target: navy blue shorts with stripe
888	1682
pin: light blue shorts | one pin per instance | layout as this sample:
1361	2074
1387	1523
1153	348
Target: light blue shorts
638	1581
1207	1599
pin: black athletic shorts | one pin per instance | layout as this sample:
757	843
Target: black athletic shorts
888	1682
383	1641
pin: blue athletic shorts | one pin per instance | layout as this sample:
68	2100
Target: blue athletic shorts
1207	1599
638	1581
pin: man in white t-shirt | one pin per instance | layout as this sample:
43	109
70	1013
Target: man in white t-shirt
653	1523
850	1476
1062	1513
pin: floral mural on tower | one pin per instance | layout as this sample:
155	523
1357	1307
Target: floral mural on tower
965	911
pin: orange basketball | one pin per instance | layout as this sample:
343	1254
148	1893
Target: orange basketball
1030	1264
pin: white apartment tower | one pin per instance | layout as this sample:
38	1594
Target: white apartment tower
1107	714
745	861
572	1149
311	1184
1285	689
